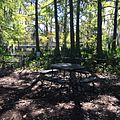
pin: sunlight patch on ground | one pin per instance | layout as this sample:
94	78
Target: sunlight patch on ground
113	108
89	106
1	102
7	80
11	82
117	84
11	115
23	104
106	99
51	111
103	102
41	111
69	105
109	76
36	86
37	112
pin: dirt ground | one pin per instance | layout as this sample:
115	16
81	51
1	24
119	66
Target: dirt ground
22	98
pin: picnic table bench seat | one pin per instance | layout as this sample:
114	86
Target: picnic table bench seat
54	80
61	83
49	71
50	76
89	79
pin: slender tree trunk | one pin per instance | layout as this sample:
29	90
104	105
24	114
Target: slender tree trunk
65	28
51	24
77	30
115	26
36	26
99	30
72	29
46	28
1	36
57	52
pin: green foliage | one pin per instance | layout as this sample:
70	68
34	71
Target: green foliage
43	62
46	3
34	65
17	19
2	51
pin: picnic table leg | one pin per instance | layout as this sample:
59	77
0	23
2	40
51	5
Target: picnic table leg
74	86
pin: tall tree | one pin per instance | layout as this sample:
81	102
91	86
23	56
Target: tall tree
99	29
57	52
71	29
65	28
1	36
77	30
36	26
115	26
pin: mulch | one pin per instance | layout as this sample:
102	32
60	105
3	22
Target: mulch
24	98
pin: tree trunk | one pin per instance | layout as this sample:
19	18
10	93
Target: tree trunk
57	52
51	24
77	30
1	36
99	30
36	26
46	31
115	27
71	29
65	29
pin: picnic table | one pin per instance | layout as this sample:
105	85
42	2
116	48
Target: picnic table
72	78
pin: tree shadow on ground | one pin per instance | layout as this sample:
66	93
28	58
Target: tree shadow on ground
5	71
27	99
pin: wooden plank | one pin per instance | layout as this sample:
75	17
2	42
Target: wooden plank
53	79
89	79
48	71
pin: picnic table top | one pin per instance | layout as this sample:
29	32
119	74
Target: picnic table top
67	66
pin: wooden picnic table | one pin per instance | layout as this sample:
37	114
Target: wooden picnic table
72	69
72	81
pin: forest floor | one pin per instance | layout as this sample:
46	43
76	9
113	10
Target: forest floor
20	99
